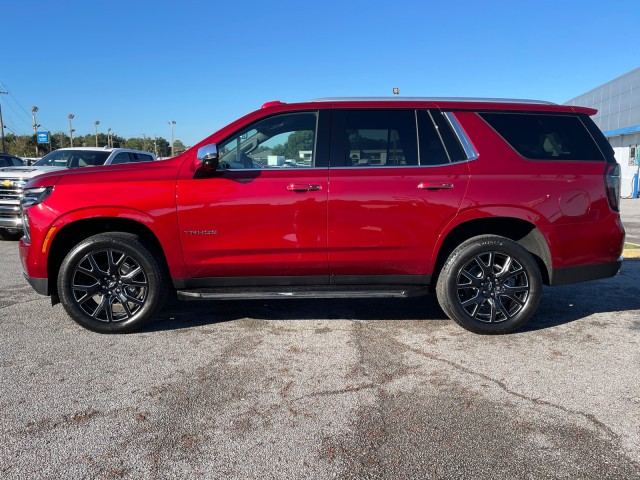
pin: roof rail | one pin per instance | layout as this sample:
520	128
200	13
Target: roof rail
433	99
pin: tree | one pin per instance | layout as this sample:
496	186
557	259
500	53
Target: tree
178	147
25	145
296	142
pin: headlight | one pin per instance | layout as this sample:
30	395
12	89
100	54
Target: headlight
34	196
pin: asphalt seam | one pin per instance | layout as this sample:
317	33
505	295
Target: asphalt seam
538	401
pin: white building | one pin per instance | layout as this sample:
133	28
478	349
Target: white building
618	105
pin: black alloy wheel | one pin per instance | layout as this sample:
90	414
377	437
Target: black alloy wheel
490	285
111	283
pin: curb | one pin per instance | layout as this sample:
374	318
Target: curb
631	252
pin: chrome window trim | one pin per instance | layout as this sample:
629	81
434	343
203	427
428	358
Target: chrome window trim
378	167
468	147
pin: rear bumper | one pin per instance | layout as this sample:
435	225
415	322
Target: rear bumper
583	273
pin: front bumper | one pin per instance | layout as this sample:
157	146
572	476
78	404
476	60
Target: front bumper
40	285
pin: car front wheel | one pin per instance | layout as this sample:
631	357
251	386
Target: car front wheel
111	283
489	285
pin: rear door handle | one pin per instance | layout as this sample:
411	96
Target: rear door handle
435	186
303	187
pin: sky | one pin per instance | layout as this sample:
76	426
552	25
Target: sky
136	65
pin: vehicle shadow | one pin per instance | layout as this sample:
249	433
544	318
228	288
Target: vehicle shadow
560	305
182	314
568	303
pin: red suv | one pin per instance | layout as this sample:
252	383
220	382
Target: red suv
481	201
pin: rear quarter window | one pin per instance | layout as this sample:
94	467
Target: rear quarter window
141	157
545	136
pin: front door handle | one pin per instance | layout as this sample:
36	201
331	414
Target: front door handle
303	187
435	186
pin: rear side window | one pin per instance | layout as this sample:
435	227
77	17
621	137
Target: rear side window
545	136
436	133
380	138
140	157
121	157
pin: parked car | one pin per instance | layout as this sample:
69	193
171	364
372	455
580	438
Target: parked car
14	178
7	160
480	201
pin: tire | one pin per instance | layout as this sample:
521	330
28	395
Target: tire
111	283
489	285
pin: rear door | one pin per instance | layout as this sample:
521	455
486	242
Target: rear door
393	188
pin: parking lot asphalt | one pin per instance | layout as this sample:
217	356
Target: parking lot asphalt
343	389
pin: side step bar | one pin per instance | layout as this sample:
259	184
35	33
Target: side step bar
268	293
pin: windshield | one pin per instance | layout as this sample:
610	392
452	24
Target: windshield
73	158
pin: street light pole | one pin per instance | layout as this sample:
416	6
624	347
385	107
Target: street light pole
1	123
109	137
172	123
96	124
71	115
34	110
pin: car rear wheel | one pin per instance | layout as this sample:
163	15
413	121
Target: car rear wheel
111	283
489	285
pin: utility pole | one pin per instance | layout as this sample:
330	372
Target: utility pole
1	122
34	110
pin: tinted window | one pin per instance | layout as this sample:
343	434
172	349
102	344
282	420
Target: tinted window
432	151
281	141
141	157
545	136
121	157
380	138
450	139
73	158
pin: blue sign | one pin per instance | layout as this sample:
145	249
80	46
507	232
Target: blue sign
43	137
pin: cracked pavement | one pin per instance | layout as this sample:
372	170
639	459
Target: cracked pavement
360	389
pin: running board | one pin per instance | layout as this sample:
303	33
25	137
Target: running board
268	293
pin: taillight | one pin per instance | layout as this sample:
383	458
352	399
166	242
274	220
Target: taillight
612	185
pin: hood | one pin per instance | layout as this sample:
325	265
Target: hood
26	172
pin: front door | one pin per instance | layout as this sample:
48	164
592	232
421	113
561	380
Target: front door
264	212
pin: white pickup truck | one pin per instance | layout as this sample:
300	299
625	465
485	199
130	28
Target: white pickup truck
13	179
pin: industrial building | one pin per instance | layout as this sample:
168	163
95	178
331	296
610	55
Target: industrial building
618	105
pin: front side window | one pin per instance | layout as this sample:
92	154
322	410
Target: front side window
539	136
380	138
282	141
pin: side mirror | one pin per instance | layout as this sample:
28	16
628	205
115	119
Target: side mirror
208	155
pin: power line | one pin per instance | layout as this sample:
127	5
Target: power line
26	119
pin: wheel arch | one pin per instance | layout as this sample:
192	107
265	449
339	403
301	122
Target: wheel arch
520	231
73	233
